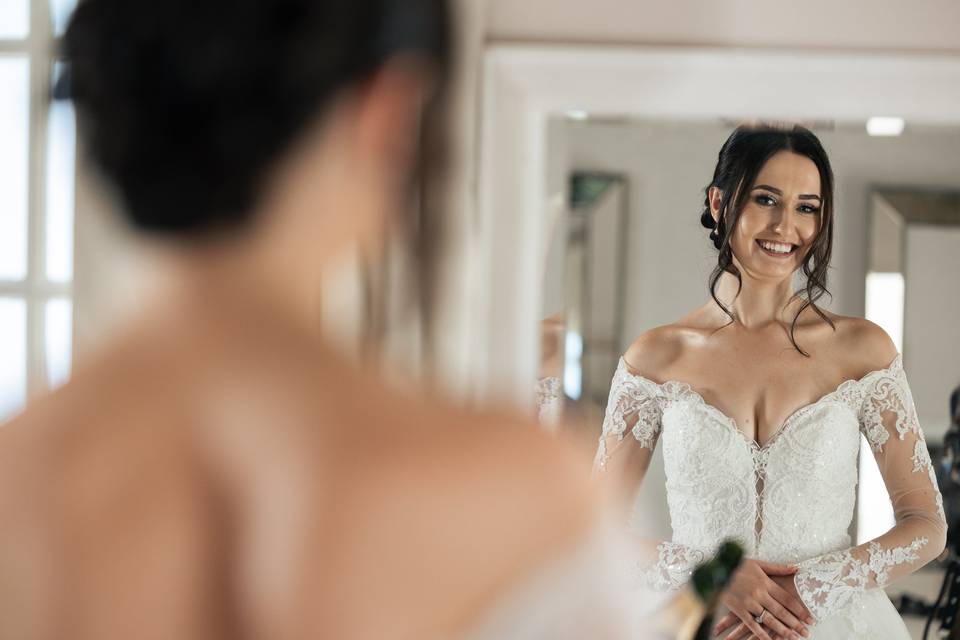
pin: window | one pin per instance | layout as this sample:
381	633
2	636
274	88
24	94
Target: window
37	171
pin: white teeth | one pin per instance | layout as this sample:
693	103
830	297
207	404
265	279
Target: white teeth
776	247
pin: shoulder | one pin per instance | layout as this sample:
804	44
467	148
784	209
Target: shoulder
866	344
491	482
656	349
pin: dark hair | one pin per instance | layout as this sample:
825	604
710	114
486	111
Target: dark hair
186	106
741	158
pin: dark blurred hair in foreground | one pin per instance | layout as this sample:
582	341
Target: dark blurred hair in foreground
186	106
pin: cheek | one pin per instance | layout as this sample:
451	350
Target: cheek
808	230
751	223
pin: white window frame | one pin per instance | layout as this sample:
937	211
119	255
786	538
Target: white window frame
36	289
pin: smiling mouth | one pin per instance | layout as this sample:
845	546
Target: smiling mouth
777	249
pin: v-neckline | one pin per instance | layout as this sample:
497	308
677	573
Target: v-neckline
725	419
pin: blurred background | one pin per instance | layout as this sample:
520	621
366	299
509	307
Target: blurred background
583	135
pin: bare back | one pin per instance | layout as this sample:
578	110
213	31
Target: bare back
218	479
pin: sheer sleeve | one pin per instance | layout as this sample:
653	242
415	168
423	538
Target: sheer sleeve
888	420
631	428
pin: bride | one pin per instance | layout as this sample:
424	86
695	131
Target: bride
759	397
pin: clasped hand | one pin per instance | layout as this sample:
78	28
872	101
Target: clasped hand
765	588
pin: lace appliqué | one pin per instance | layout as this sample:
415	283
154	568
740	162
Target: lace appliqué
549	400
888	393
835	580
922	462
673	568
631	397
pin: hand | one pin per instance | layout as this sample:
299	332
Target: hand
759	586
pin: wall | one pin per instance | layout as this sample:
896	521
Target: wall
887	25
932	322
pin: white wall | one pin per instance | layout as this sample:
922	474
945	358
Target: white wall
888	25
932	322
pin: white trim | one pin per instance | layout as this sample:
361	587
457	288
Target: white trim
525	85
23	289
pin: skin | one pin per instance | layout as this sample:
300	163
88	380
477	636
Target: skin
750	370
219	471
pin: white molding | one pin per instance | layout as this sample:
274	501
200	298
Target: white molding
525	85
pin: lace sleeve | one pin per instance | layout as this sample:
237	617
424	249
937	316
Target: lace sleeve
888	420
635	407
549	401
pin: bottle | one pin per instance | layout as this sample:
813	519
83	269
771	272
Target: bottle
702	595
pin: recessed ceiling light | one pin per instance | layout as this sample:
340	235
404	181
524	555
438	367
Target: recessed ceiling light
577	114
883	126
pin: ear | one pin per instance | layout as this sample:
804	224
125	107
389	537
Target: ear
388	118
715	195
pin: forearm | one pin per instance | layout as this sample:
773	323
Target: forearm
833	580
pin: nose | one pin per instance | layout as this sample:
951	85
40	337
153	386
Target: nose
783	221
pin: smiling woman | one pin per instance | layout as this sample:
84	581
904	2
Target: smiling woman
791	177
761	436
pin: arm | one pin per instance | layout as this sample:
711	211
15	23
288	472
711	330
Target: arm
631	428
888	419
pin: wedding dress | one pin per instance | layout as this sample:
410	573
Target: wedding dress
583	595
791	500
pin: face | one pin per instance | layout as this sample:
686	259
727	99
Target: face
780	220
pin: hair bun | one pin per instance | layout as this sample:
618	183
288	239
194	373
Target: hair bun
707	220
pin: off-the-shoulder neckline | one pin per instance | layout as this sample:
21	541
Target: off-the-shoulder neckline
685	388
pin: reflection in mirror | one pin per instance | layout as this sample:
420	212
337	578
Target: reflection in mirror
583	299
894	261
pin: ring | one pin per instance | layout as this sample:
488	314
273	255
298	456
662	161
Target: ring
759	619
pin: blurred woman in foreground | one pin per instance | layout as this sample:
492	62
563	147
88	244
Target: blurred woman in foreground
218	471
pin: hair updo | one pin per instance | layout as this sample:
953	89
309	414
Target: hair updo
740	160
186	106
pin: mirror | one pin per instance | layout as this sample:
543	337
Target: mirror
584	290
896	261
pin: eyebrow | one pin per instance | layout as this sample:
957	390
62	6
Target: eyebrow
805	196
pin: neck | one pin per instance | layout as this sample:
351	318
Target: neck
759	303
246	282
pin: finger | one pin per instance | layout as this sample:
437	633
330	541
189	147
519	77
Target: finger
739	633
783	615
791	602
725	623
777	627
757	630
774	569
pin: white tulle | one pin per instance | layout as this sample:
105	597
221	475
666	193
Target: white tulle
585	594
792	499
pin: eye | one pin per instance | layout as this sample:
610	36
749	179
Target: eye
765	200
808	208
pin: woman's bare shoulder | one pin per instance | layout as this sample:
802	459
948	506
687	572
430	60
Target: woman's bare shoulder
657	349
865	345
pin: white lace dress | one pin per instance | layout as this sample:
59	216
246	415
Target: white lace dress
792	500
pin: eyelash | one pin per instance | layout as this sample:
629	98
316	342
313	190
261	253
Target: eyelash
810	209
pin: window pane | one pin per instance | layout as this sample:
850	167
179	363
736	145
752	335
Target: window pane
13	364
60	11
14	131
61	168
14	19
58	326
